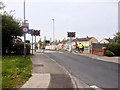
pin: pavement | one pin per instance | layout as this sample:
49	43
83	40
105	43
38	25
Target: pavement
97	57
48	74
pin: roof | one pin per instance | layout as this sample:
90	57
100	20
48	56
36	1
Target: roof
82	39
110	40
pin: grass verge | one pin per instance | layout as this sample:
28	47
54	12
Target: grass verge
16	70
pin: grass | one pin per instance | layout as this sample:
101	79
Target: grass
16	70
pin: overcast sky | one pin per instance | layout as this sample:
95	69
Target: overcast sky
93	18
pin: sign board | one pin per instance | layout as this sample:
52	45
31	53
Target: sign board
114	38
25	25
25	29
30	31
36	33
71	34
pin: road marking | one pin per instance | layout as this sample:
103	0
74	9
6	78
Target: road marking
95	87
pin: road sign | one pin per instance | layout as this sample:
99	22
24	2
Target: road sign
25	25
114	38
30	31
71	34
25	29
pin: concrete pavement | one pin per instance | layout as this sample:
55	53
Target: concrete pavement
97	57
48	74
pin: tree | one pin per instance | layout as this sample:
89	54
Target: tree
1	5
117	37
64	41
40	42
11	28
44	42
55	42
50	41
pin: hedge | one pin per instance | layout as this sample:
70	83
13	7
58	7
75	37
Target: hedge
109	53
115	48
19	49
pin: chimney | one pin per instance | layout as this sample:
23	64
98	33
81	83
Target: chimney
87	37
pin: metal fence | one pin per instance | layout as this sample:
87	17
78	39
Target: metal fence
98	46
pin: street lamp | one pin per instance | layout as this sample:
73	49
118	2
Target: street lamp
53	30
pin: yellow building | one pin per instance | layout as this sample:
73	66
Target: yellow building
85	41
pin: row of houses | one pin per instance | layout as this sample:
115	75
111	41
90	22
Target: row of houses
85	41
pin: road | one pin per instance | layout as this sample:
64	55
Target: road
91	71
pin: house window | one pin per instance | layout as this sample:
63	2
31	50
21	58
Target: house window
86	42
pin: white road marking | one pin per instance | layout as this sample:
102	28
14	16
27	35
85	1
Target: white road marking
95	87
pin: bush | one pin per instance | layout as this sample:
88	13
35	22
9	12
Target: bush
115	48
109	53
28	47
19	49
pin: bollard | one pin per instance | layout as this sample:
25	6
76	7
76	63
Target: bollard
103	51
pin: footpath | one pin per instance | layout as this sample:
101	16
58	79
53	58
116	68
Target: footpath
97	57
48	74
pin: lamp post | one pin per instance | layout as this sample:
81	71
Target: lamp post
53	29
24	33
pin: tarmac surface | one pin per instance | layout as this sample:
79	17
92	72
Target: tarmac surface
93	70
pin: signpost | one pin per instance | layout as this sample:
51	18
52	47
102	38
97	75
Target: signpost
34	33
71	35
114	39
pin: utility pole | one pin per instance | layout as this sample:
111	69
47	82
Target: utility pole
53	30
24	33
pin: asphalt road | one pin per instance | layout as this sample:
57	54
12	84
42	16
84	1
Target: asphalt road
90	71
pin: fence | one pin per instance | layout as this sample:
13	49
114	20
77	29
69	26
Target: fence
98	49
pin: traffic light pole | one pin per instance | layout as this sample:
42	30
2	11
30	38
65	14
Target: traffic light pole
35	43
32	44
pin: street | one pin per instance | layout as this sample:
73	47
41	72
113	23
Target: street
92	72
